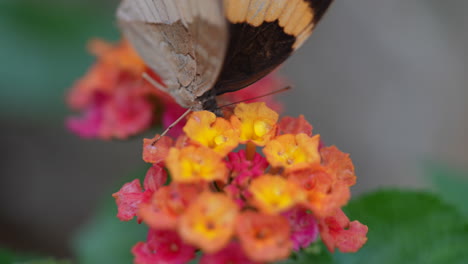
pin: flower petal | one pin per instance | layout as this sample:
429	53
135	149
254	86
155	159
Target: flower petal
209	222
264	237
155	150
163	246
128	198
338	232
291	125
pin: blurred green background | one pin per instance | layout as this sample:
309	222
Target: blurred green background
383	80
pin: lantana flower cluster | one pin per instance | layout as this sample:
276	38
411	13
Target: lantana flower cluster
114	101
243	188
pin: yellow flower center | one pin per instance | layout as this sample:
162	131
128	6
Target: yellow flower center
211	131
290	151
219	140
261	128
206	228
255	122
274	193
192	164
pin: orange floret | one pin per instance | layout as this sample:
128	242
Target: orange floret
264	237
323	195
293	151
167	205
195	164
209	222
274	194
291	125
210	131
156	149
121	55
338	164
256	123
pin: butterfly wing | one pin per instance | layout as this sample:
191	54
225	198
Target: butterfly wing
184	41
264	33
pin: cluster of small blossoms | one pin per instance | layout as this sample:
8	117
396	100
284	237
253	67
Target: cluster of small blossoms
114	100
234	204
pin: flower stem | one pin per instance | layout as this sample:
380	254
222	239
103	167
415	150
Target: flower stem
250	150
274	171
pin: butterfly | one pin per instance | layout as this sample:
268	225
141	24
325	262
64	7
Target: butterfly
205	48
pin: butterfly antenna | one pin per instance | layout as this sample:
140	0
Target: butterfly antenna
153	82
173	125
287	88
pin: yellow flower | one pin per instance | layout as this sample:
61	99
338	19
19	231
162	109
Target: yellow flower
256	122
293	151
211	131
209	222
274	194
194	164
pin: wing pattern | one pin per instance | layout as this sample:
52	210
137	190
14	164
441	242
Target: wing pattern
184	41
263	34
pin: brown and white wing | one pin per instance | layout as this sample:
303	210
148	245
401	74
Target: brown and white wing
183	41
263	34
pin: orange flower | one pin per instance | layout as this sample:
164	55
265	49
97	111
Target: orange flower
211	131
156	149
264	237
338	164
308	177
167	205
122	55
104	76
293	151
274	194
219	198
324	203
323	195
194	164
209	222
256	122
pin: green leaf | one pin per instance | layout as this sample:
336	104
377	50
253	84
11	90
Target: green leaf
408	227
44	261
316	253
6	256
10	257
450	183
105	239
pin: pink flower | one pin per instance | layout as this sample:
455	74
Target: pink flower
119	114
126	115
114	99
88	124
172	111
338	232
128	198
155	178
245	170
131	195
304	227
163	247
236	194
231	254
